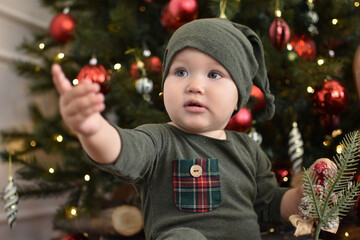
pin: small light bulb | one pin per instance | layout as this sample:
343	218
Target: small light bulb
320	61
59	138
33	143
87	177
356	4
147	53
75	81
51	170
278	13
117	66
73	211
289	47
334	21
61	55
339	148
42	46
347	234
310	89
271	230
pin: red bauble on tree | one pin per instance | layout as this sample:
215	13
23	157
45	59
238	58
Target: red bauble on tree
62	27
178	12
279	33
330	98
258	102
134	71
304	46
168	21
97	74
241	122
153	65
183	10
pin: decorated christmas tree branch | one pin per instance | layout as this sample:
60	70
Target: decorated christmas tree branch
329	193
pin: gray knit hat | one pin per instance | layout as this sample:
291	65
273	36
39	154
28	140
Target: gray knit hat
234	46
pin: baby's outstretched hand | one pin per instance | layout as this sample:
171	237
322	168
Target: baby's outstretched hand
80	105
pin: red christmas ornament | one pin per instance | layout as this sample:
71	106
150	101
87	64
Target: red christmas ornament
183	10
153	65
331	98
279	33
241	122
258	102
168	21
134	71
62	27
304	46
97	74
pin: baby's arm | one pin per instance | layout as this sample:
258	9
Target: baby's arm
80	108
292	198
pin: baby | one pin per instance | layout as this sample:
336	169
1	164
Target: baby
196	179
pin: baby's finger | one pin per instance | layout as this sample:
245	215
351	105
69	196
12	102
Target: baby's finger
61	83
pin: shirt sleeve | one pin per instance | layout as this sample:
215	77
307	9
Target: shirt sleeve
136	156
269	194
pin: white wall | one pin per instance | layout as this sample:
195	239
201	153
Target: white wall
19	19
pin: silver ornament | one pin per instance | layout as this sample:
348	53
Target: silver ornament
11	199
144	85
296	150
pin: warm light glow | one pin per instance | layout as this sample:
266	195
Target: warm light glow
285	179
278	13
59	138
75	81
42	46
142	8
140	64
271	230
347	234
33	143
61	55
310	89
335	21
320	61
336	133
356	4
292	56
147	53
117	66
331	53
339	148
87	177
51	170
73	211
289	47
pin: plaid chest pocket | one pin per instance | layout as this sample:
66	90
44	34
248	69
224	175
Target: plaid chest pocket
196	184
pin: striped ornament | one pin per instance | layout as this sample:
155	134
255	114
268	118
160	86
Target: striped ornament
11	199
296	150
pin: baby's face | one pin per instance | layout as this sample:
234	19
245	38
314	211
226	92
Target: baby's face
199	93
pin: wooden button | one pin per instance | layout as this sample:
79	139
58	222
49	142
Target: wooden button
196	170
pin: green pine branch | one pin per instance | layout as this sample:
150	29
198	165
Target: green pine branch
339	193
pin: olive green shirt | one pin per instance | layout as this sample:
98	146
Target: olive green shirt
249	190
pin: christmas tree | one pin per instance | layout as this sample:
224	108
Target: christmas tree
313	60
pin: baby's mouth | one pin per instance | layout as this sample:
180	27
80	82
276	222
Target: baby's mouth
194	106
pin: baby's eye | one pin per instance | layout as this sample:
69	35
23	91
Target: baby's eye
214	75
181	73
